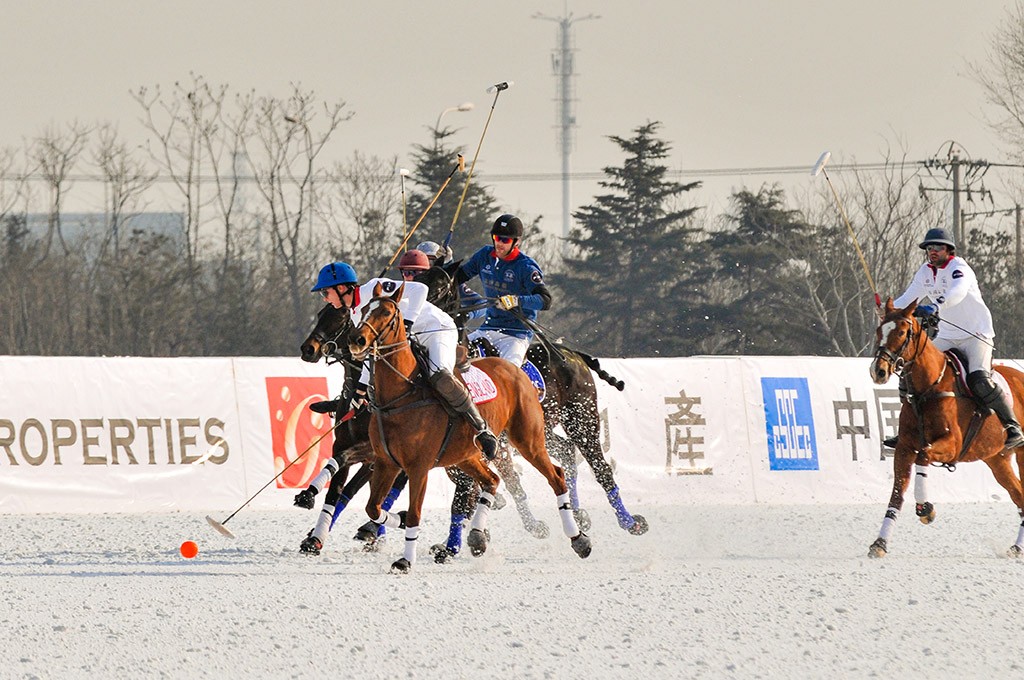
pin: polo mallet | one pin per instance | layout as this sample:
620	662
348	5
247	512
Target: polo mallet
405	218
819	169
219	526
461	167
497	89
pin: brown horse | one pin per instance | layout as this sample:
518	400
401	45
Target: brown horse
407	435
938	425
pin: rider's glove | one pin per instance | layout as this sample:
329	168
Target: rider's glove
508	301
408	326
926	310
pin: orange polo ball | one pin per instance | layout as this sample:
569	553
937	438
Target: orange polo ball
189	549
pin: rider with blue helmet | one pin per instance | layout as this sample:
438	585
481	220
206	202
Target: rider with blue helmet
432	328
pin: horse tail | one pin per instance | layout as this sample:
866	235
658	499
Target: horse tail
594	365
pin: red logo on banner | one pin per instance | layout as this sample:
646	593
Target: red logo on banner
293	428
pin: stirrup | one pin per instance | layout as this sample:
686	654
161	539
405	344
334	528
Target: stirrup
1014	437
488	443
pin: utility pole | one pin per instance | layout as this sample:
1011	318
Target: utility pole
966	177
563	66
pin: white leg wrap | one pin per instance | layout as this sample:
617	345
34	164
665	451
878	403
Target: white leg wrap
569	526
411	534
323	522
389	519
1020	536
888	524
320	481
483	509
921	483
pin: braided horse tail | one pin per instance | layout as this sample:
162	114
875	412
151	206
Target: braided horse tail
594	365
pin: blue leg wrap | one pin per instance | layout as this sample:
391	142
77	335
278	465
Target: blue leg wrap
625	519
339	507
386	504
454	542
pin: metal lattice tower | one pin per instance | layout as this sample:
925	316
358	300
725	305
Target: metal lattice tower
563	67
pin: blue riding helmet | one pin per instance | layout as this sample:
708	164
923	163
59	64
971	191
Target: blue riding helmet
335	274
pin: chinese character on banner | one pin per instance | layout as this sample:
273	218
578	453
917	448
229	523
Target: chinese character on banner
888	407
294	428
681	441
851	409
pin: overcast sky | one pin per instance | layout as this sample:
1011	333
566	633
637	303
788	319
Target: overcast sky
735	84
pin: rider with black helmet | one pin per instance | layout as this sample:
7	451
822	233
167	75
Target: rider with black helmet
515	280
964	321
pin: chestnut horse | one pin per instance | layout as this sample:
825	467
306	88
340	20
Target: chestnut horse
938	425
405	435
570	401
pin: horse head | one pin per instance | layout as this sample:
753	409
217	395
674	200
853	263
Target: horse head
443	292
380	324
899	336
322	341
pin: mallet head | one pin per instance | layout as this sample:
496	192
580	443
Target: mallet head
462	163
820	165
403	172
498	87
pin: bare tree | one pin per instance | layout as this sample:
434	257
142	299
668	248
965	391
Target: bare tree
1002	79
55	153
366	195
127	180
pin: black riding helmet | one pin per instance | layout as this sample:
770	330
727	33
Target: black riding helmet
508	225
938	236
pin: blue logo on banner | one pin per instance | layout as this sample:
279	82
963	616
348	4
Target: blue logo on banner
790	424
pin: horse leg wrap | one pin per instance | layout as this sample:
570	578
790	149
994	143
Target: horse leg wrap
388	519
324	522
411	534
920	484
483	509
888	524
339	508
569	526
625	519
390	499
454	542
320	481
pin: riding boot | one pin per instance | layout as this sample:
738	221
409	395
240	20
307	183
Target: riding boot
344	400
458	398
989	393
890	442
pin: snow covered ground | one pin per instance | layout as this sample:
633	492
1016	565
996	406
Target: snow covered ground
709	592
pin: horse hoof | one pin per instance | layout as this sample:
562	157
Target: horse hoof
400	566
499	502
305	499
878	548
582	519
311	545
367	532
538	529
1015	551
373	545
925	512
442	553
639	527
477	542
581	545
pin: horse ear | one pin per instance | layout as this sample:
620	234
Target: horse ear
910	308
397	297
377	290
889	306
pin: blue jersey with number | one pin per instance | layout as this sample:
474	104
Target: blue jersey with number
518	275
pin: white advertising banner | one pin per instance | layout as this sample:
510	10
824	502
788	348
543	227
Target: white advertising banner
137	434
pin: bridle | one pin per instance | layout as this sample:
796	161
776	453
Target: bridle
372	346
896	359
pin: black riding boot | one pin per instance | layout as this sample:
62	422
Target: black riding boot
458	398
344	400
988	392
890	442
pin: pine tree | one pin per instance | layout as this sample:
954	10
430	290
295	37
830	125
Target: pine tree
637	252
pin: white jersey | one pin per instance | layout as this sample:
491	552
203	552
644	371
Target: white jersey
425	316
953	288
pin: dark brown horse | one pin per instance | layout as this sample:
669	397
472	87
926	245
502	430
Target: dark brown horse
938	424
405	435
